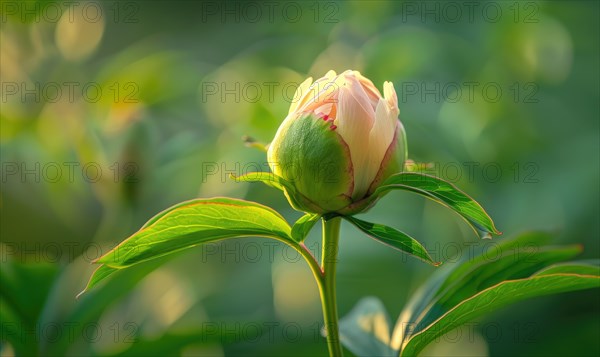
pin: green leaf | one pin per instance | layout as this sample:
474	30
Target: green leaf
12	331
272	180
25	285
451	273
510	259
365	331
393	238
303	225
196	222
268	178
90	306
24	291
442	192
456	293
496	297
511	266
521	246
101	273
581	268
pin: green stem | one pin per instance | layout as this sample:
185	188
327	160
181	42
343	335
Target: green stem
325	276
331	236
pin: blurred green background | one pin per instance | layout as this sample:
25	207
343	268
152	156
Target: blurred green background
112	111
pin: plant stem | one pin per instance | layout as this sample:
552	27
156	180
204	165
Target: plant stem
331	236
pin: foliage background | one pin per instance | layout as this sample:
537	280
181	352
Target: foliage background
182	81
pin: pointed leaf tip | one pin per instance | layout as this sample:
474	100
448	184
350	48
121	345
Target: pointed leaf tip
101	273
188	224
445	193
393	238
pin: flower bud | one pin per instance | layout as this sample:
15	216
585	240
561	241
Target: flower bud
340	140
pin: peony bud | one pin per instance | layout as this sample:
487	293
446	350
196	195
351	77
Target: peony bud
340	140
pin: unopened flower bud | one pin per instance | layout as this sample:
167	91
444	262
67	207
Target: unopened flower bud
340	140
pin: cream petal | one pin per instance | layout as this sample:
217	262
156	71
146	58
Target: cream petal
354	127
330	74
369	87
320	91
359	94
380	138
390	96
333	85
323	109
300	94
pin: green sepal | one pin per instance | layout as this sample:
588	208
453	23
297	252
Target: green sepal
310	155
